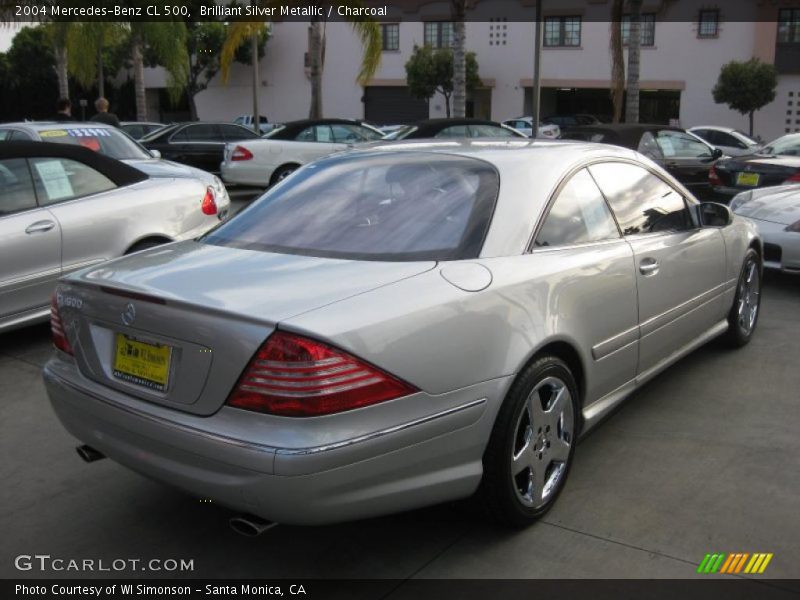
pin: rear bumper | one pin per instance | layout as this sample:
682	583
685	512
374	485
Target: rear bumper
781	247
412	464
246	173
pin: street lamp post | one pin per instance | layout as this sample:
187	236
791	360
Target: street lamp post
537	77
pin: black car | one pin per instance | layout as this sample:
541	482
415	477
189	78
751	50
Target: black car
198	144
453	128
776	163
684	155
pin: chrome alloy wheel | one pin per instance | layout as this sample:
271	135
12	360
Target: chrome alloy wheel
749	297
544	435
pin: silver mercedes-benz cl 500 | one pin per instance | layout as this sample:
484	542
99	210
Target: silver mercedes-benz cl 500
399	326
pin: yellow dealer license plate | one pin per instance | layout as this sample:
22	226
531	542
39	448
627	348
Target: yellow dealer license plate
747	179
142	363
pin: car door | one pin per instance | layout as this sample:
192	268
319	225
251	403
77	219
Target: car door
30	243
64	186
589	270
200	145
686	158
680	267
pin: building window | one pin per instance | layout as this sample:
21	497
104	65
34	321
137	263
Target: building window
390	34
562	31
789	26
647	29
439	34
708	24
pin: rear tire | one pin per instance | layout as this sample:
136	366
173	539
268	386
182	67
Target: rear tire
530	450
282	173
144	245
743	315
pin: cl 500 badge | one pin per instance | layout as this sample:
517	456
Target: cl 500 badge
71	301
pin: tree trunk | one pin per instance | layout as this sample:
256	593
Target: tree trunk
459	61
617	61
447	105
256	117
61	72
634	46
192	106
137	56
752	113
315	64
101	85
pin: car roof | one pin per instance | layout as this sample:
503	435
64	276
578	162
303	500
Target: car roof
714	127
140	123
117	171
291	128
627	134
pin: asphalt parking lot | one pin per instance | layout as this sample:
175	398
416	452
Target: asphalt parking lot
705	458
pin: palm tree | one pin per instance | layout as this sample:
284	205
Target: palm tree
459	59
617	61
167	41
57	32
634	48
368	32
85	44
238	33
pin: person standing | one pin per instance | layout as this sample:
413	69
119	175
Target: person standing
63	110
103	116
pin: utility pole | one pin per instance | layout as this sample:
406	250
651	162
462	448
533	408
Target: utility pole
254	43
537	76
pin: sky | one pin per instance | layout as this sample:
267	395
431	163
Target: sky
7	33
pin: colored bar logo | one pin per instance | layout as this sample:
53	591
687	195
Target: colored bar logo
737	562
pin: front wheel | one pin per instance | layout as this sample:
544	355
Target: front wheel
531	447
743	316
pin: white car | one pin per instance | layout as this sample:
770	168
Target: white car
776	212
731	141
525	126
265	161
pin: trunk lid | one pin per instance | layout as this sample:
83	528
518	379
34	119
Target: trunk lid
200	312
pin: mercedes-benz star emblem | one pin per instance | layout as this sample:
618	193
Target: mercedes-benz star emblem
129	314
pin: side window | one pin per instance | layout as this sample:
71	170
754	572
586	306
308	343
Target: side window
323	133
367	134
675	144
726	139
60	179
198	133
642	202
344	134
579	215
233	133
455	131
649	147
16	187
477	131
5	135
18	135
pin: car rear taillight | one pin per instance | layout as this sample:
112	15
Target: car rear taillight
241	153
294	376
60	340
713	177
795	178
209	205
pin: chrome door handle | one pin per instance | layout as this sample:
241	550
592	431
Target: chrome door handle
648	267
40	227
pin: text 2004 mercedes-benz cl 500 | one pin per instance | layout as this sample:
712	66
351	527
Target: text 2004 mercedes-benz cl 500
399	326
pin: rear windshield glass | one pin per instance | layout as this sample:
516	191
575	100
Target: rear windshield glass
110	142
393	206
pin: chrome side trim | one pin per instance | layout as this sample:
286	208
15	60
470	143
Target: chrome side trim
658	321
33	278
594	412
614	343
18	319
48	373
389	430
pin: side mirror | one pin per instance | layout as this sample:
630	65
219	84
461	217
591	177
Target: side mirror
713	214
716	153
155	153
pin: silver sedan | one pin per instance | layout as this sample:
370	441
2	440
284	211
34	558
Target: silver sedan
63	208
400	326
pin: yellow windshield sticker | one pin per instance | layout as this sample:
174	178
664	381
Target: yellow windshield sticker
53	133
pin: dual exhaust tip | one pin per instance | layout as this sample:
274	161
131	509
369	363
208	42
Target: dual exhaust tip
246	525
